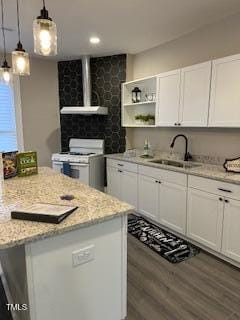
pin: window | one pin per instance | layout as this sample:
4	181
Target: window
10	118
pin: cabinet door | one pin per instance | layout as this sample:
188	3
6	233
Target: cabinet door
231	227
172	206
129	184
114	182
168	97
225	93
148	196
205	218
195	90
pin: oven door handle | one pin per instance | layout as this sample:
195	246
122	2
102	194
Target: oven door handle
79	164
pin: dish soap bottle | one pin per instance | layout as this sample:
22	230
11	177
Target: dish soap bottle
146	148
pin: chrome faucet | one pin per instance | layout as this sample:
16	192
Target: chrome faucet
187	155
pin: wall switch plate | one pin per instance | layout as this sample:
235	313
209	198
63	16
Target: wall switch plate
83	255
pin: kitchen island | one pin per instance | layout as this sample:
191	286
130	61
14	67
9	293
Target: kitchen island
74	270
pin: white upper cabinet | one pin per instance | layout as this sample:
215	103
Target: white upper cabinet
168	98
183	96
225	93
201	95
195	91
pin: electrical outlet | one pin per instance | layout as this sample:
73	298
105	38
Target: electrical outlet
84	255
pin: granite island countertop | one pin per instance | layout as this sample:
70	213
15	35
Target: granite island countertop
210	171
47	187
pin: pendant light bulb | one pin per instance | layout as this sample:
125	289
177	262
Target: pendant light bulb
45	41
20	63
5	70
45	34
6	76
5	73
20	58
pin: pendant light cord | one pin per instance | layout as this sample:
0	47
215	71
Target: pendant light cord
18	22
3	34
43	3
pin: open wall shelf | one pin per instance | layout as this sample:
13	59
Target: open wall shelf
138	103
130	110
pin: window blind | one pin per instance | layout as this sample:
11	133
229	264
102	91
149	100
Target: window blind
8	134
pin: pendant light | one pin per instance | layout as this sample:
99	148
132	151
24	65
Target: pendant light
45	34
5	70
20	58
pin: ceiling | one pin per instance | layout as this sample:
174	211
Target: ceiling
124	26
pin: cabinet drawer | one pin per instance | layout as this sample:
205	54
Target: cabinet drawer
128	166
166	175
217	187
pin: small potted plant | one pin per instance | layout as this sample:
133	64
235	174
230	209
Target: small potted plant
147	119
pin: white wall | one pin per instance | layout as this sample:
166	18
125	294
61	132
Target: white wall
213	41
40	109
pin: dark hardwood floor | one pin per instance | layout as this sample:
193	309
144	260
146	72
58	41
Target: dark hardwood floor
201	288
4	314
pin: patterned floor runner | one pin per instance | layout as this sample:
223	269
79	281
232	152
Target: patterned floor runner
166	244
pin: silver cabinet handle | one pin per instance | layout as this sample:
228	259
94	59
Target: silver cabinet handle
120	165
119	170
224	190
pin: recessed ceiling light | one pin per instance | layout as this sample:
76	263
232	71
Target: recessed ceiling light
94	40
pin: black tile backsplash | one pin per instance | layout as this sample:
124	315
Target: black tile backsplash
107	74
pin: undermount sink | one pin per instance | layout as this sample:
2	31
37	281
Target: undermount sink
177	164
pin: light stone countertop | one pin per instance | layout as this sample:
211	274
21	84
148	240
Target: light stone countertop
210	171
47	187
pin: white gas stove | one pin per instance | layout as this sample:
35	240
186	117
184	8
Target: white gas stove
84	161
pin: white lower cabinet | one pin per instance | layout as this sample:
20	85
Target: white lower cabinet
148	196
172	206
113	179
206	210
213	215
231	229
129	183
163	200
205	218
123	185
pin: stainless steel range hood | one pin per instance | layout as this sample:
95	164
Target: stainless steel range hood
87	109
